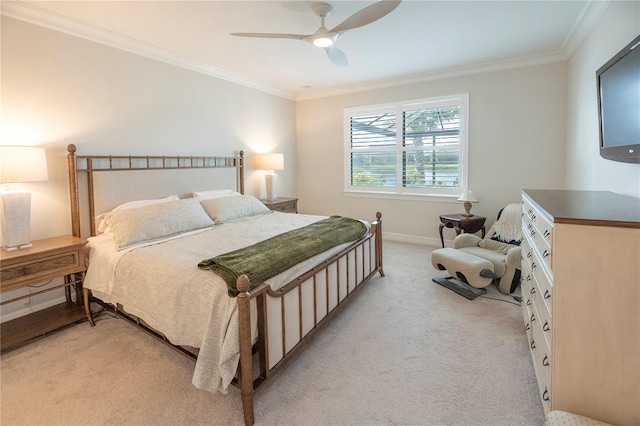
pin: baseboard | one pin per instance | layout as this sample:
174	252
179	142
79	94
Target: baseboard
413	239
31	309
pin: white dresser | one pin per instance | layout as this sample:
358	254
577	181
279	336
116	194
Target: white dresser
581	301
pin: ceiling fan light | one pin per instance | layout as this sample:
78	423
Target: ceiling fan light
323	42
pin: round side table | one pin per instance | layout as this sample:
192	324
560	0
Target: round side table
462	223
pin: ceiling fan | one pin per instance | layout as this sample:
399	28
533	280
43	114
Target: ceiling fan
325	38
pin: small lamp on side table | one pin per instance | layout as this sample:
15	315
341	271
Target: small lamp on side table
19	164
270	163
468	198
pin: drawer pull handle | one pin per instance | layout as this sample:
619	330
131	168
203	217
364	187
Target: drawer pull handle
529	211
533	290
529	226
547	294
533	216
533	265
545	394
528	302
529	277
533	232
546	327
546	253
533	317
545	360
533	344
546	233
528	255
527	327
25	270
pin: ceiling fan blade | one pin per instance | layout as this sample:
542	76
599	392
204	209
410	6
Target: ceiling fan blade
367	15
268	35
336	56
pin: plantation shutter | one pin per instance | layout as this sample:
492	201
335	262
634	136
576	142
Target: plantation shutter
373	149
431	148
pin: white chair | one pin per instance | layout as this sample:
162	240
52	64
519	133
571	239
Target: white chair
496	258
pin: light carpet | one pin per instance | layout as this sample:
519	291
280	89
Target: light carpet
407	351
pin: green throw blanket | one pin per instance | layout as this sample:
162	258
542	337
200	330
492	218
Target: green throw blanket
275	255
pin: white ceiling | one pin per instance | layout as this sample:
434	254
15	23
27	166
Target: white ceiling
419	40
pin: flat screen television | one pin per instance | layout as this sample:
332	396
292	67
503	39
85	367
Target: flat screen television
619	105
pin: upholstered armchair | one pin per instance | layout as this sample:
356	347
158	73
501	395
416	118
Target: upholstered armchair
496	258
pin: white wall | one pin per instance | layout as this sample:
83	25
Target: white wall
586	170
516	140
59	89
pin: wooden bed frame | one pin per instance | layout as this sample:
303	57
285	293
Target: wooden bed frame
303	305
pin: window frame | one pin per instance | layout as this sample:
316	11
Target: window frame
399	191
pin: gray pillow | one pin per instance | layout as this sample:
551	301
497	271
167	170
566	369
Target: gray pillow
230	208
131	226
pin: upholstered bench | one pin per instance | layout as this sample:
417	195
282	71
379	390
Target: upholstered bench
457	262
563	418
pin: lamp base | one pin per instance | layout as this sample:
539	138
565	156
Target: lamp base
467	208
15	210
271	183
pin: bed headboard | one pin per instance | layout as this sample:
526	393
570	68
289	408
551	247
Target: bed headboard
98	183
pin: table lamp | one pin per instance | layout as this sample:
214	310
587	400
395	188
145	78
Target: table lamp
468	198
19	164
270	163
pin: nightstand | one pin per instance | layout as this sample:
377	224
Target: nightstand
282	204
462	223
58	257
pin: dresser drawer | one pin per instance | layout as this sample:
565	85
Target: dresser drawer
527	303
541	357
539	230
14	274
543	315
287	207
527	253
540	352
284	205
544	285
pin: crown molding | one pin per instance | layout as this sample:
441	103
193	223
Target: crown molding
590	15
435	75
35	15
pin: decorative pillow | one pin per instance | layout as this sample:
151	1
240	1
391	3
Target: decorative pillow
102	226
215	193
230	208
508	227
134	225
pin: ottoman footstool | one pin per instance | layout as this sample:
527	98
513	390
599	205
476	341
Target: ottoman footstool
472	269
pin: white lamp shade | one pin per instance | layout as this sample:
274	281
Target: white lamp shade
467	196
270	161
20	164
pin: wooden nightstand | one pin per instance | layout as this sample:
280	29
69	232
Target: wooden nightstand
47	259
282	204
462	223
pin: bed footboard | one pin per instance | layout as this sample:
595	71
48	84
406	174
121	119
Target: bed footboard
288	317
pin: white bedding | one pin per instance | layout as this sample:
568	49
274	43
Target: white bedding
162	284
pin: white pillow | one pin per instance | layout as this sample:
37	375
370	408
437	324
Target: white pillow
215	193
102	226
154	221
230	208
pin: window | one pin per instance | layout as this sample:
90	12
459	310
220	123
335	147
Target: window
416	147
